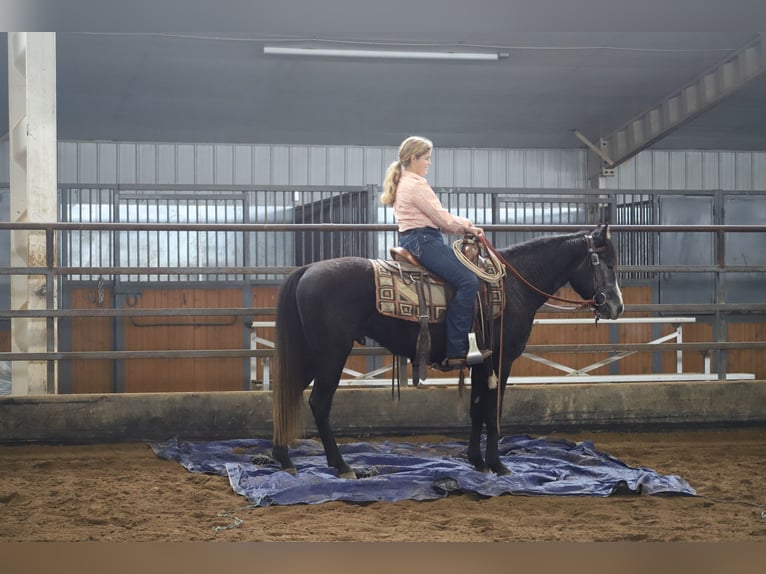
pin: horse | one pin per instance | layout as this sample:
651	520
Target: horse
325	306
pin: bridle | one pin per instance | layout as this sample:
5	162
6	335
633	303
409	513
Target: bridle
599	294
592	256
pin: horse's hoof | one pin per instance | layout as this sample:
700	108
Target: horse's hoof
261	460
367	472
347	474
501	470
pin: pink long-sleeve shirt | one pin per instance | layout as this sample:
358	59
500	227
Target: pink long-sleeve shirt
416	205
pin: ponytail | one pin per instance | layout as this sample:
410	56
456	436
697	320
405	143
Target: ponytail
393	175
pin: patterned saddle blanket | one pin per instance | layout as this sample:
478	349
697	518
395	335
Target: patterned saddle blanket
397	291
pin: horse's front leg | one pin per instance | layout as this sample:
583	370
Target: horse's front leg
477	422
320	402
494	407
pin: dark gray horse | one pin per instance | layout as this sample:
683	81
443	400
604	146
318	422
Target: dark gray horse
325	306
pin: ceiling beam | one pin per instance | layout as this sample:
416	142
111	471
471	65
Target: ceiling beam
684	104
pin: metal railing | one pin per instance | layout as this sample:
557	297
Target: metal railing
719	310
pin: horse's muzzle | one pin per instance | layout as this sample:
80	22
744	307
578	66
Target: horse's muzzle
605	308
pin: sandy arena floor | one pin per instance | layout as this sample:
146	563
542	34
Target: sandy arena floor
123	492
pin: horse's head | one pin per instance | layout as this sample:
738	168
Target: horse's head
595	277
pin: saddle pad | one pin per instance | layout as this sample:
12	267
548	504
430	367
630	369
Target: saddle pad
396	294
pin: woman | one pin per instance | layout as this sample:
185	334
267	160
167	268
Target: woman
422	219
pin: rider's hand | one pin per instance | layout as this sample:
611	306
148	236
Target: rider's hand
477	231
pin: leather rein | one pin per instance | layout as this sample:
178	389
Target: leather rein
593	251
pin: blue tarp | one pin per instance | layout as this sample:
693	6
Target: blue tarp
391	471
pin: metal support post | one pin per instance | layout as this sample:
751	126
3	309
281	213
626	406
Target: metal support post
33	167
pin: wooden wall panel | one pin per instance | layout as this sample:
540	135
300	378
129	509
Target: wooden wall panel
638	363
748	361
191	332
745	361
152	333
5	340
91	334
591	333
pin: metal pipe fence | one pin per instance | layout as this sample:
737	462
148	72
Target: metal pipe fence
124	237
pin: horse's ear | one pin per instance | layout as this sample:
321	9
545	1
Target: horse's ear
602	232
598	231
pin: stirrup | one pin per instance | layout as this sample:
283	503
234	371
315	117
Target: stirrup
450	364
474	355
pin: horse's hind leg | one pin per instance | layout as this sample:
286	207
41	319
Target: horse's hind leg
281	455
293	416
320	401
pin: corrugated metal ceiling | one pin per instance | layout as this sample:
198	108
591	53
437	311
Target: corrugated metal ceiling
216	87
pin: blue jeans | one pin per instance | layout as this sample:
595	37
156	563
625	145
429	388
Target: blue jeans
428	246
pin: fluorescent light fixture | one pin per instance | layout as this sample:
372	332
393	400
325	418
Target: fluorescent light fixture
390	54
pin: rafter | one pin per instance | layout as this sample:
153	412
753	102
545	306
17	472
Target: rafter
684	104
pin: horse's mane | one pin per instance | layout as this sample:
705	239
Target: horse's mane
524	248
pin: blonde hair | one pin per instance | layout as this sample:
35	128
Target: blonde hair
412	147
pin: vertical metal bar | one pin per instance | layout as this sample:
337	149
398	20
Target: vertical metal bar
225	235
118	323
167	234
211	254
64	343
335	214
373	239
722	320
316	217
96	216
231	236
82	234
265	211
133	237
50	293
655	208
247	252
188	238
249	364
158	241
64	368
197	235
178	257
89	236
205	214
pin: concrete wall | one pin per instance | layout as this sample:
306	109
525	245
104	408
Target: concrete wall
362	412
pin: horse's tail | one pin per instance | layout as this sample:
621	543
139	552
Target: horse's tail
288	370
